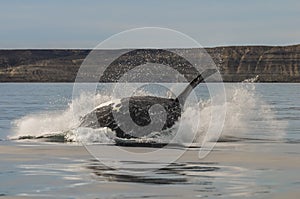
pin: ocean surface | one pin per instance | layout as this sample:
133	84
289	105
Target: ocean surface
44	154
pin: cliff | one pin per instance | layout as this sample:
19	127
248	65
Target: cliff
272	64
236	63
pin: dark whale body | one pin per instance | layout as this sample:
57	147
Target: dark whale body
138	108
138	111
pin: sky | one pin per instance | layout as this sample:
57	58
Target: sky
85	23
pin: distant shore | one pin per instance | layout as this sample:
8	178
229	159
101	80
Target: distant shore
236	63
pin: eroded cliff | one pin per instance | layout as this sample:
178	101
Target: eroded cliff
236	63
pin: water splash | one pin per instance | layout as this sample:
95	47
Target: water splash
248	117
252	80
56	122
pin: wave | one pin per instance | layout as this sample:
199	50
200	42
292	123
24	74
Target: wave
252	80
248	117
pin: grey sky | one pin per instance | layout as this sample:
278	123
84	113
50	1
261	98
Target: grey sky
83	24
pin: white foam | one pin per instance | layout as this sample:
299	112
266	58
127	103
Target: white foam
87	135
49	122
115	101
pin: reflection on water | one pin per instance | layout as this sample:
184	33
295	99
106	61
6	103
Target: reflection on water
67	171
207	178
175	173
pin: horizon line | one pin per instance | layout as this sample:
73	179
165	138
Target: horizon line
207	47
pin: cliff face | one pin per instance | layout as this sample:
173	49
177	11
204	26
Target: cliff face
40	65
272	64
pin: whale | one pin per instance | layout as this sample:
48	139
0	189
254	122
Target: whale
129	117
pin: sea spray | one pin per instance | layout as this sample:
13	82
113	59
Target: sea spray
57	122
246	112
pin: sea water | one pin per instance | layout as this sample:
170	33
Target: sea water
257	155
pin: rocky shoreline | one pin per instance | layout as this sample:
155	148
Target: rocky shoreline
236	63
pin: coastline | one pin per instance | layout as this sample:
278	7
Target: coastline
236	63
